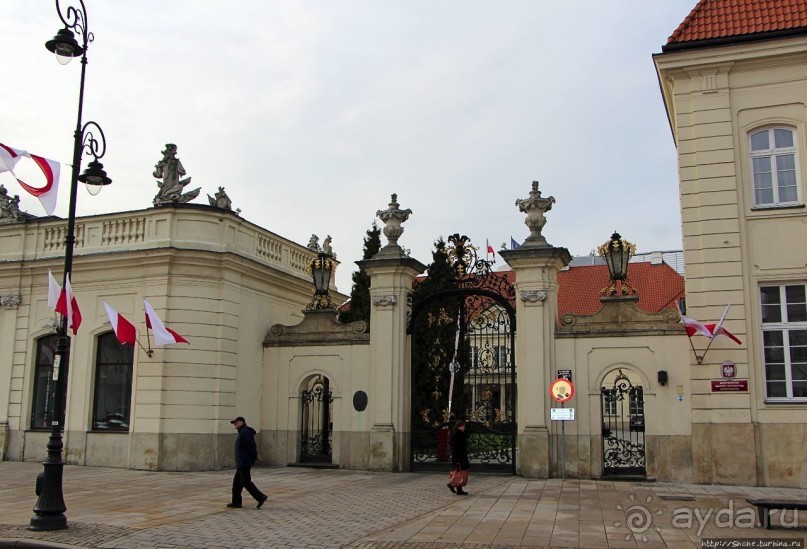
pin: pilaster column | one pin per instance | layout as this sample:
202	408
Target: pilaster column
390	282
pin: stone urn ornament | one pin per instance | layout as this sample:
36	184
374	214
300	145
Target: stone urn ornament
535	207
393	217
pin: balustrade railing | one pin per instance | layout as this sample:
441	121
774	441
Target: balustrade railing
150	229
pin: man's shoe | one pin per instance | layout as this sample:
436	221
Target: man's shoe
261	502
234	505
461	492
451	487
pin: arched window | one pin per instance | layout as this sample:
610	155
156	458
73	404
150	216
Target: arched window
774	167
41	408
113	384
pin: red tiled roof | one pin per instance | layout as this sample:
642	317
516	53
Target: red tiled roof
714	19
658	287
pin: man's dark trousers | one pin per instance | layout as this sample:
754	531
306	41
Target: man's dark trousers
241	480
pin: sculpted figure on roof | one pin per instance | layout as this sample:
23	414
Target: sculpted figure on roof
9	207
170	169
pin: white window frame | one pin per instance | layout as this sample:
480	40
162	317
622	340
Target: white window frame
773	153
784	327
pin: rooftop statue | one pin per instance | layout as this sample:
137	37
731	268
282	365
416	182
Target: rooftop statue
170	169
9	207
313	243
220	200
326	247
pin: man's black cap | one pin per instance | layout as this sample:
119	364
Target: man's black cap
239	418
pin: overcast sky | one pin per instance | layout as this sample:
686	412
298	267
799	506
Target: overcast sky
311	113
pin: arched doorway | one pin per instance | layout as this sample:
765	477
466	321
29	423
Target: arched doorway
623	425
317	427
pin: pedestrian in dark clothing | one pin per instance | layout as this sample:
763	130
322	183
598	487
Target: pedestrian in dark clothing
459	459
246	454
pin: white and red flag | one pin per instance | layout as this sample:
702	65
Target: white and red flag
124	330
46	193
693	326
54	291
490	250
67	306
718	330
9	156
162	335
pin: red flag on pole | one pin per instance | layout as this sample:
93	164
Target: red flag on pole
162	335
71	311
124	330
490	250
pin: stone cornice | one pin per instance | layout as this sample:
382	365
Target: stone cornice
528	257
318	327
394	264
620	316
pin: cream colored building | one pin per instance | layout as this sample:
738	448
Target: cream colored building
734	83
211	276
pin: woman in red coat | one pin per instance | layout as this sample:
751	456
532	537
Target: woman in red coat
459	459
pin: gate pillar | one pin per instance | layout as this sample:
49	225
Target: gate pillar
536	264
536	271
389	397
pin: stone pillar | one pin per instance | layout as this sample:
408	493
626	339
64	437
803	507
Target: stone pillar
536	264
391	274
390	282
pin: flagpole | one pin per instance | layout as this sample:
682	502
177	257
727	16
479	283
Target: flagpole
698	358
148	351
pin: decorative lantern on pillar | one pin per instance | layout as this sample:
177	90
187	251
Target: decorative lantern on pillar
321	270
617	253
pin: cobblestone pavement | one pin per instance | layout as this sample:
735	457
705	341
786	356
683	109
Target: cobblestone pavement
316	508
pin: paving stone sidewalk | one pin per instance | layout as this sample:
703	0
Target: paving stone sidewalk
314	508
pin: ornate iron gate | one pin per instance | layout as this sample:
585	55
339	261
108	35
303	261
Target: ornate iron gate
315	445
463	363
623	444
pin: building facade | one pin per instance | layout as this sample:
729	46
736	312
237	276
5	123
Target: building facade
211	276
734	83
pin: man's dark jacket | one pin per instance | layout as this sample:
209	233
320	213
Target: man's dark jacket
246	451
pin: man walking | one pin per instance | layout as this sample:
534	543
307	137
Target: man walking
246	453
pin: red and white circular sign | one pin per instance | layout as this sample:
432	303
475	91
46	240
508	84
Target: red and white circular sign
561	390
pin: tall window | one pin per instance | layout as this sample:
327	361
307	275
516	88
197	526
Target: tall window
784	337
113	384
773	164
45	353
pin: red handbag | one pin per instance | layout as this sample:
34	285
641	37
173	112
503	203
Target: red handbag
458	478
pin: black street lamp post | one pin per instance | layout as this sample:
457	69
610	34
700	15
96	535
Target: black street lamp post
50	508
